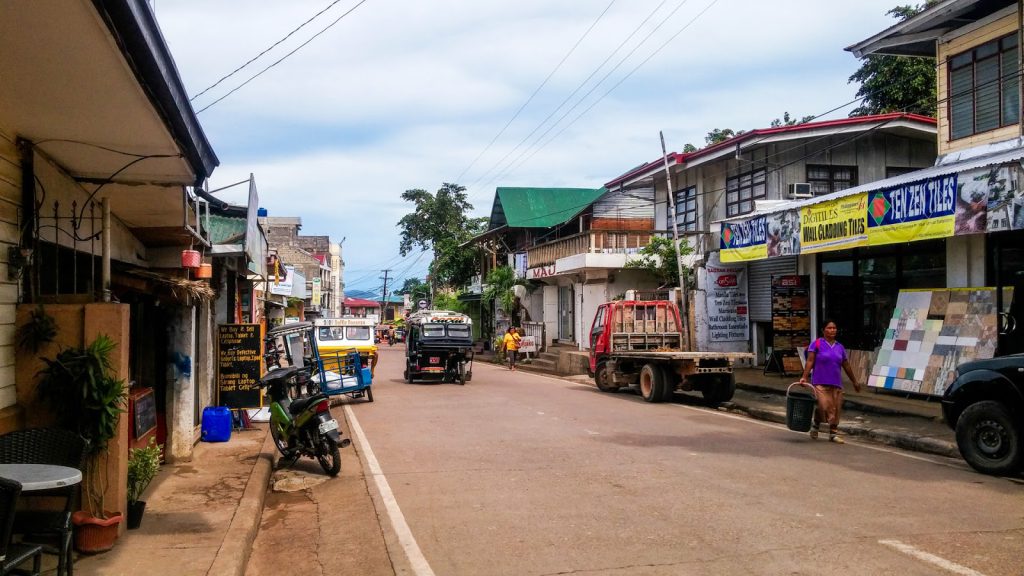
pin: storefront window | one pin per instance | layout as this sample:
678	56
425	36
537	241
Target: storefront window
858	288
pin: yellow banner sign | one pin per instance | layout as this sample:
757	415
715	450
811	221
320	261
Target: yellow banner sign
834	225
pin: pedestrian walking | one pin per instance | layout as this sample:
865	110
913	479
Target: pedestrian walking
826	361
510	343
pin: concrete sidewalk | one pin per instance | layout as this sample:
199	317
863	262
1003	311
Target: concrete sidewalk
201	516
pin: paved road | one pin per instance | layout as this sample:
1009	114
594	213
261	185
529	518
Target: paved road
517	473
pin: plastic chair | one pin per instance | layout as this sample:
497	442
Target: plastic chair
47	446
13	555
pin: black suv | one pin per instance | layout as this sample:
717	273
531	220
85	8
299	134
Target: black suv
985	406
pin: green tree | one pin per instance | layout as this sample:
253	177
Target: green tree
659	258
896	83
720	135
689	148
413	287
786	120
500	287
439	222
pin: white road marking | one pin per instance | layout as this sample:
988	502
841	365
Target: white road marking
419	563
591	432
930	558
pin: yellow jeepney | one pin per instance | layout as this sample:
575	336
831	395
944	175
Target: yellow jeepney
338	334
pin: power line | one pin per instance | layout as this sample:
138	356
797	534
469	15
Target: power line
299	47
574	91
537	90
256	57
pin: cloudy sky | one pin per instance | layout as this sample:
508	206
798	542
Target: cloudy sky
400	95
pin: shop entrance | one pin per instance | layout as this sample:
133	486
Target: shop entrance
1005	270
565	313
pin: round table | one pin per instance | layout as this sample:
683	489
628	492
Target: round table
41	476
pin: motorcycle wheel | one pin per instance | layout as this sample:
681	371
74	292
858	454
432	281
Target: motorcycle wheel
329	457
279	439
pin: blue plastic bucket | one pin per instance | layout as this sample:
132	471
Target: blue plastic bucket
217	424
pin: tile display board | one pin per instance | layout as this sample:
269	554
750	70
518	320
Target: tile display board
791	312
933	331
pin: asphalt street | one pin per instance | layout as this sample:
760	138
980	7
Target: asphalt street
521	473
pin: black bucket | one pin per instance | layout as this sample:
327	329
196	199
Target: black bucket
800	407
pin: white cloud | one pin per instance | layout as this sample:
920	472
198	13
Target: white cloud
406	95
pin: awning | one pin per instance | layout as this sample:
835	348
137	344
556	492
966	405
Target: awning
973	191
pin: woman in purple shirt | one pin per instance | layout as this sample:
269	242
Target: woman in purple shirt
825	357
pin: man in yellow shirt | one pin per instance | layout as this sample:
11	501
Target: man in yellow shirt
511	345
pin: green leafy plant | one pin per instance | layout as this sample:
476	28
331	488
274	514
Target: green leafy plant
143	465
500	287
659	258
79	384
40	329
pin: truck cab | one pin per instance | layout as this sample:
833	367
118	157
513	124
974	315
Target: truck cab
634	325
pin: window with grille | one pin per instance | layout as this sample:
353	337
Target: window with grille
983	93
686	210
828	179
742	190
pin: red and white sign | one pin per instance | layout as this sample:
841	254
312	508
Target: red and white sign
528	344
541	272
726	299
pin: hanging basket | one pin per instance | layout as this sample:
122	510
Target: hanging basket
205	271
191	259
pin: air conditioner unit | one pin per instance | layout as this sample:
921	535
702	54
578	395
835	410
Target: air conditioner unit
800	190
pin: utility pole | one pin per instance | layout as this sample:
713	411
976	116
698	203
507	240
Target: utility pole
675	241
384	296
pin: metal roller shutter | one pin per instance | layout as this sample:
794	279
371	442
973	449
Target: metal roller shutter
759	284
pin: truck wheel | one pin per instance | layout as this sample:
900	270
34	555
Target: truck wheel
718	388
989	439
652	383
670	384
603	378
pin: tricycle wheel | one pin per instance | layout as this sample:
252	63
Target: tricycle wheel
462	373
408	377
369	394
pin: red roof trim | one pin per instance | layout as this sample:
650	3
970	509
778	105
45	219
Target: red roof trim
361	303
681	158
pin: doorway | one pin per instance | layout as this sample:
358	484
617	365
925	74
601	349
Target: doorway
565	313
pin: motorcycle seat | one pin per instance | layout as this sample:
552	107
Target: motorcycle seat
300	405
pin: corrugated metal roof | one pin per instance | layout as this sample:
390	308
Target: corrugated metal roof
540	207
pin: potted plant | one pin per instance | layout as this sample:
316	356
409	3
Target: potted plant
143	464
87	398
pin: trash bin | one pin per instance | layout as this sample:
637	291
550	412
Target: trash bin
217	424
800	405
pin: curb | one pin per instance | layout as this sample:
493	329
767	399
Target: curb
233	555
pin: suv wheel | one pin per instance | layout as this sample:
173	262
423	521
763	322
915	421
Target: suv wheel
989	439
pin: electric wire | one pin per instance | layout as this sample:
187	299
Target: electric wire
535	92
299	47
573	93
256	57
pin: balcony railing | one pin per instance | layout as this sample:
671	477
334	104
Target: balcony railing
605	242
591	242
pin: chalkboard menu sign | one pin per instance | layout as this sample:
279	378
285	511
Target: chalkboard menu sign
143	412
239	351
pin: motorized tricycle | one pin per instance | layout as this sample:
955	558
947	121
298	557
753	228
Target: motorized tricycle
439	347
334	371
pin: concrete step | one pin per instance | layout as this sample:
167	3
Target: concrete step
543	364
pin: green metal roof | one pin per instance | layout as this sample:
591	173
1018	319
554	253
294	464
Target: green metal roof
540	207
227	229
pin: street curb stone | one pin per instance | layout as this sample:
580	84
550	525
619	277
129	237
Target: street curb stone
233	556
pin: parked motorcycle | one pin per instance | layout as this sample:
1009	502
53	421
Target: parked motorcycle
302	426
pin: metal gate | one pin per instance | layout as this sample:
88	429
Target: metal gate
565	307
759	287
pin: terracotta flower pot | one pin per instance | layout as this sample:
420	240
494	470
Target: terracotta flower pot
94	535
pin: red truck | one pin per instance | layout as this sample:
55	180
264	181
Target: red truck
639	344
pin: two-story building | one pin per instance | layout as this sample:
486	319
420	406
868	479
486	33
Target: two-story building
571	245
764	168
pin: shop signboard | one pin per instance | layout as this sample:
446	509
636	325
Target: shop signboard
239	356
282	285
783	233
317	293
834	225
528	344
728	316
744	240
989	200
921	210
